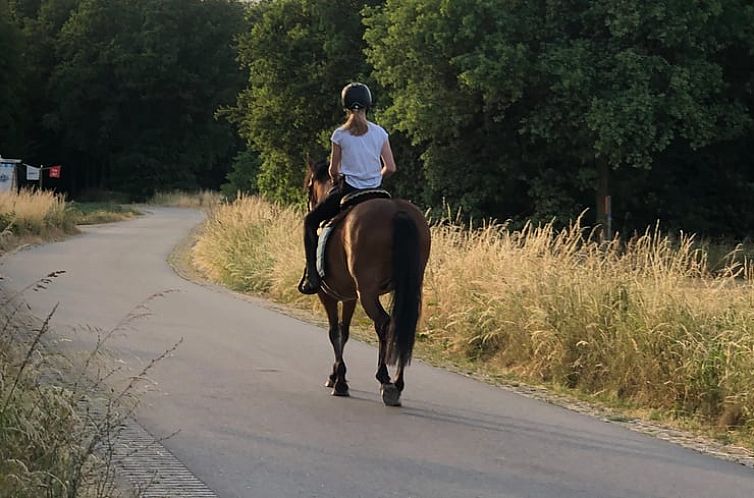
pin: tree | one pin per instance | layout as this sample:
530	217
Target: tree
242	177
299	54
40	23
137	87
521	104
414	47
11	97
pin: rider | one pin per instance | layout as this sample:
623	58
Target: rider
357	147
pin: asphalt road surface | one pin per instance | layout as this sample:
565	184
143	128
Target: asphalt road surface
245	389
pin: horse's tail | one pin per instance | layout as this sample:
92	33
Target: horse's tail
407	282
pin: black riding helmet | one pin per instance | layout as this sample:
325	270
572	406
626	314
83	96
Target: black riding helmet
356	96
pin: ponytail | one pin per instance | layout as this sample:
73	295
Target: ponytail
356	123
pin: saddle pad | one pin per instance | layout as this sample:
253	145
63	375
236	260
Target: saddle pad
324	236
358	196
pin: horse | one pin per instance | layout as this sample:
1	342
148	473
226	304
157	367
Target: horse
380	246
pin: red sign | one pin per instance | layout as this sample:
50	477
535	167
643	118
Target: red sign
55	171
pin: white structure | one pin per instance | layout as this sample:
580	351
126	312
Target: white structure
8	180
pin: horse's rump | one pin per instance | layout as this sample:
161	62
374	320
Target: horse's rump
360	252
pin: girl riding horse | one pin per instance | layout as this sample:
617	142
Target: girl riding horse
380	246
357	147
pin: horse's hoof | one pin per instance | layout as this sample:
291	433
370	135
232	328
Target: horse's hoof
330	383
340	390
391	396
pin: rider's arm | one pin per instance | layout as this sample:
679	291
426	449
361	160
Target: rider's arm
388	167
335	163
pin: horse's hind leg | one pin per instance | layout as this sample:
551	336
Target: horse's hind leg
375	311
399	382
337	379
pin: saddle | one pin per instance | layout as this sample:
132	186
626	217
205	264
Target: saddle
350	200
346	204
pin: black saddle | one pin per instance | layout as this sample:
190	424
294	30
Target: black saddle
354	198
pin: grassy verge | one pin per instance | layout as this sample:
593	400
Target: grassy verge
92	213
63	411
203	199
33	216
645	326
55	423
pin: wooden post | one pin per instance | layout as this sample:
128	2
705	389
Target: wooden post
603	200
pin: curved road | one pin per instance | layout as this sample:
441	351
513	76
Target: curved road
245	390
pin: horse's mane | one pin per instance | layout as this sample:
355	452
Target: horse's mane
318	171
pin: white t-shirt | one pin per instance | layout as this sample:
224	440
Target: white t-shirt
360	156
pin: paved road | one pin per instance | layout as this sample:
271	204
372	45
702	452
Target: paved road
245	389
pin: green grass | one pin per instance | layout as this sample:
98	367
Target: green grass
92	213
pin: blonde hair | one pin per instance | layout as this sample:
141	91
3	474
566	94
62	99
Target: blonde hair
356	123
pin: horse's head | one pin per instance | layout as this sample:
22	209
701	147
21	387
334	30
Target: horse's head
317	182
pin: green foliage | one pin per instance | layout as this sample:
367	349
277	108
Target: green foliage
415	48
125	92
299	54
504	109
155	72
243	175
93	213
11	98
41	22
514	102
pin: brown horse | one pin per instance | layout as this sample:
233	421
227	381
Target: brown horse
380	246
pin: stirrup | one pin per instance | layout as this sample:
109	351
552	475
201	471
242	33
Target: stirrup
309	285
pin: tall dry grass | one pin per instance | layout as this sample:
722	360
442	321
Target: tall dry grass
54	423
252	245
34	213
61	417
644	321
177	198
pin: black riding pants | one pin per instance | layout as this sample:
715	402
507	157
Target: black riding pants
323	211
